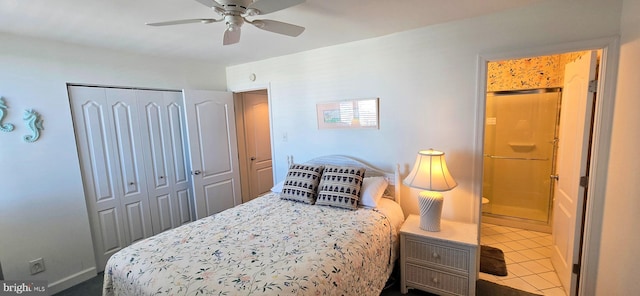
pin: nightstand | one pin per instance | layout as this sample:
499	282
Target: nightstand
444	262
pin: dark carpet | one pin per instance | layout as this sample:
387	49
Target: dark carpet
492	261
488	288
483	288
93	287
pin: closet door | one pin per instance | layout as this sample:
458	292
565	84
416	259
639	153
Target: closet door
99	167
107	135
162	132
126	139
181	177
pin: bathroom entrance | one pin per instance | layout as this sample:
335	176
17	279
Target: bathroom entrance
536	164
522	120
521	134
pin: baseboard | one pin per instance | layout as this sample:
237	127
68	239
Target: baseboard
72	280
516	223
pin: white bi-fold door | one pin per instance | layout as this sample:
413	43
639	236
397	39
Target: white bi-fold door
162	130
130	144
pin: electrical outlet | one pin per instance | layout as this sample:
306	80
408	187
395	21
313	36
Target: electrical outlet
36	266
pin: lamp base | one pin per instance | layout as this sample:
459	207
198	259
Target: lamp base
430	210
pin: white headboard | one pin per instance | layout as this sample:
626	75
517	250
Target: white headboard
370	171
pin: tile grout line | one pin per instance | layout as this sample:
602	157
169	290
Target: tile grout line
527	254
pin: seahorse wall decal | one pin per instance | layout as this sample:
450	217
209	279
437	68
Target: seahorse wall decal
34	123
8	126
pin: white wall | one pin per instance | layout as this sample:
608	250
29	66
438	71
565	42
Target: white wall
426	80
43	211
620	241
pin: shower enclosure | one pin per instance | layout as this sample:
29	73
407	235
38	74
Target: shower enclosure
519	157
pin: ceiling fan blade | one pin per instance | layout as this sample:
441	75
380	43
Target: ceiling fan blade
269	6
278	27
231	36
180	22
210	3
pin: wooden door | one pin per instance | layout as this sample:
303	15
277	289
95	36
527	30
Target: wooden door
213	148
258	143
573	146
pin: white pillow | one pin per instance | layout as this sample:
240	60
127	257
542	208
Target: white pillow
372	190
278	187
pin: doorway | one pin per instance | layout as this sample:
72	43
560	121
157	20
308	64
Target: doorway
523	180
254	143
521	134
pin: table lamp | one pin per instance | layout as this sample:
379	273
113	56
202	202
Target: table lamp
431	174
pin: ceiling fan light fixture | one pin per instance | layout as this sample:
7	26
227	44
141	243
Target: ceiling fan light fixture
233	13
234	22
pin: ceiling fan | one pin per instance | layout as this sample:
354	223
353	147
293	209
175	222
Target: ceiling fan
235	12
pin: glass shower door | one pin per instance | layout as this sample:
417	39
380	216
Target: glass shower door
520	138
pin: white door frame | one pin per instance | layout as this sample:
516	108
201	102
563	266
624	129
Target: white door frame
263	86
603	121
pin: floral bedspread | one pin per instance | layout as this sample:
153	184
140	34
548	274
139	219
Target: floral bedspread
267	246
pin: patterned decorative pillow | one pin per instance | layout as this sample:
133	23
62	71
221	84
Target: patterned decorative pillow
340	187
301	183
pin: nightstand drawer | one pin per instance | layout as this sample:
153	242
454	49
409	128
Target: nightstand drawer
418	276
441	254
440	262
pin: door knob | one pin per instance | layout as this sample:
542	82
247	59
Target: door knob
196	172
253	158
556	177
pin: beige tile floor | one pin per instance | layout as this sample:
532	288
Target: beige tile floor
527	254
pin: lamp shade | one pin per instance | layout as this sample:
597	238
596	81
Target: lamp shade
430	172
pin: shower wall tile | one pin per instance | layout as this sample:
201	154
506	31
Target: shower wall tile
528	73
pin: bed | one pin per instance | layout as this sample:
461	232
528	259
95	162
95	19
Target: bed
271	246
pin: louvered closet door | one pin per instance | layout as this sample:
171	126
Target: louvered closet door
162	132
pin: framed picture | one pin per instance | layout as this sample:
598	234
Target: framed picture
360	113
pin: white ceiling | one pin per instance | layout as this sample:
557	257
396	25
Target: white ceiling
119	24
